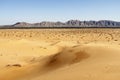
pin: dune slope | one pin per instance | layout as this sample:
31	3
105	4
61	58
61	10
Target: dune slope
68	55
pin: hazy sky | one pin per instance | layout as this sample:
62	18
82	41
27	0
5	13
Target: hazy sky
12	11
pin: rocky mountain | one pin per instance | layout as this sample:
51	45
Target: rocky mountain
70	23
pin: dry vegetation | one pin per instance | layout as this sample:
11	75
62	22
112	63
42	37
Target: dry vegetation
63	34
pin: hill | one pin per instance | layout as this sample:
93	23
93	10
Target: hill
68	24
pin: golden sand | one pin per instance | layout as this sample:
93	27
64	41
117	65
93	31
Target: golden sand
60	54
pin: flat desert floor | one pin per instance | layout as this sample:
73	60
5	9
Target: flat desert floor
60	54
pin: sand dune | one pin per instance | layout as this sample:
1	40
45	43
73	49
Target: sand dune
60	54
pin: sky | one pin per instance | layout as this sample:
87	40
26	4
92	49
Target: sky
32	11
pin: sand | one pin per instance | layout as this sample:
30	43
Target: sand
60	54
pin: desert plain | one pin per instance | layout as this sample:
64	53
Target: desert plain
60	54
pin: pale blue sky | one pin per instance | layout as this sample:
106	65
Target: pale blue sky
12	11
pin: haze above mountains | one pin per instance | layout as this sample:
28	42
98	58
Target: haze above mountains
70	23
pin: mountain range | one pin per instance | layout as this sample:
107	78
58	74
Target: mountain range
68	24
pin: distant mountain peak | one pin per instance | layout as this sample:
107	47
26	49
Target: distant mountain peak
70	23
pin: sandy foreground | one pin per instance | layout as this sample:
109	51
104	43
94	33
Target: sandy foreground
60	54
